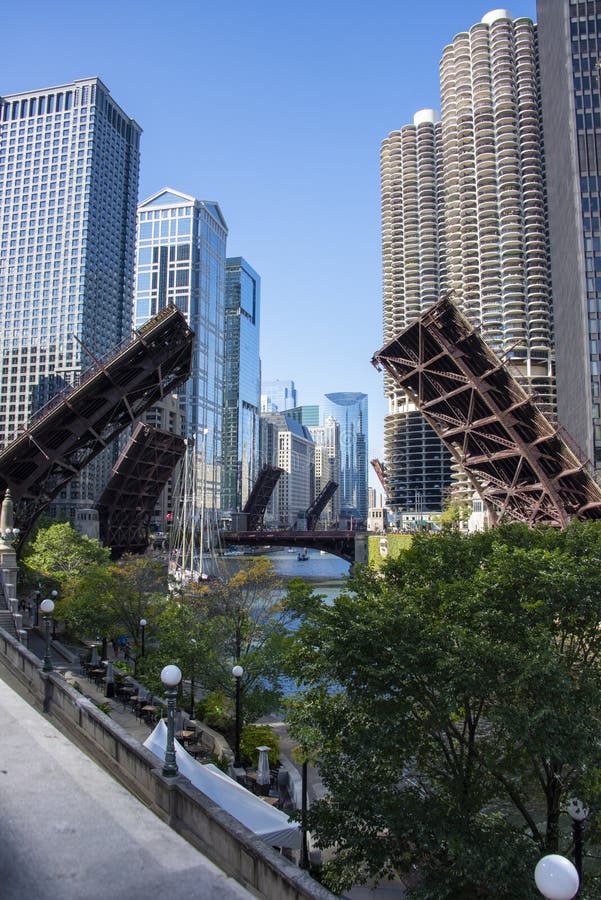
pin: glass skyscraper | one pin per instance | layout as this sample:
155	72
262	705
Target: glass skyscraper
349	409
69	161
180	259
278	396
242	383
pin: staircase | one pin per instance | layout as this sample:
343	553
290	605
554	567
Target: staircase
7	623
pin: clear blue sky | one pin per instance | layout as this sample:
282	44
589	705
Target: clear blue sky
276	112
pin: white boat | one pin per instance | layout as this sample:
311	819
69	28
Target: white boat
302	555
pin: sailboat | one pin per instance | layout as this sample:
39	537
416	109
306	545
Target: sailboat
191	556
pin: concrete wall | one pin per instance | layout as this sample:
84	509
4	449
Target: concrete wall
218	835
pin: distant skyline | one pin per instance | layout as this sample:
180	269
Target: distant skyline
277	113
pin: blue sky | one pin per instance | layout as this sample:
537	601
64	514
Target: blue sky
277	112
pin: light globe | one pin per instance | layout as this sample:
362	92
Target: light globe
47	606
171	676
237	671
556	877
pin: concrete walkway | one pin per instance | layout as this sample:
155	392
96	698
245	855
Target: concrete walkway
70	831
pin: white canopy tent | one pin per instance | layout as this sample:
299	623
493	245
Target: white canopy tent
270	824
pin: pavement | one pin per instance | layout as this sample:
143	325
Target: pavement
69	830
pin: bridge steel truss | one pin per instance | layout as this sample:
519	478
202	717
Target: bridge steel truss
260	496
319	504
77	424
126	505
513	455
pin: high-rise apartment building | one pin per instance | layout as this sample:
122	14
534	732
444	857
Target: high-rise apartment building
306	415
417	464
349	410
485	170
570	42
180	259
69	161
278	396
242	383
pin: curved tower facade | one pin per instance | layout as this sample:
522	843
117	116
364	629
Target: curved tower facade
464	209
417	465
496	238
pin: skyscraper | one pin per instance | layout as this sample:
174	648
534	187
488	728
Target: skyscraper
288	444
180	259
569	39
278	396
327	467
242	383
69	160
418	466
486	173
349	409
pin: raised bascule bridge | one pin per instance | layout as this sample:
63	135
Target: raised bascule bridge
518	461
78	423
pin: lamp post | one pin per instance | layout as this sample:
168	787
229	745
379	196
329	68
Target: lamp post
36	608
238	672
47	607
578	813
556	877
143	624
304	852
193	642
54	595
171	677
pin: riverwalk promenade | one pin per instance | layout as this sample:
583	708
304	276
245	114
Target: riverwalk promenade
70	831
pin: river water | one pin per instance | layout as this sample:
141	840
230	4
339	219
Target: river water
324	572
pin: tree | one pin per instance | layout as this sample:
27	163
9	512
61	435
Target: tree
247	620
453	706
60	552
111	599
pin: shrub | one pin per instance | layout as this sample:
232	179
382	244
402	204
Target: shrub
254	736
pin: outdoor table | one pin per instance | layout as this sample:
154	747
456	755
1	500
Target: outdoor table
184	735
150	713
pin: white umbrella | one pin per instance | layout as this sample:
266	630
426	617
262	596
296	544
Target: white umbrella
263	773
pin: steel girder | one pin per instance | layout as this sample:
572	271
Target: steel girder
260	495
513	455
77	424
319	504
126	505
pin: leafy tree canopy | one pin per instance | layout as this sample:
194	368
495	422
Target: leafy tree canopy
61	552
452	702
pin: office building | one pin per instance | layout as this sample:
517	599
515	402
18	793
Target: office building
69	161
180	259
349	410
242	383
417	464
306	415
569	41
326	438
278	396
471	203
288	444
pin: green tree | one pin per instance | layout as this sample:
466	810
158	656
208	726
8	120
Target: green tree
60	552
453	706
110	599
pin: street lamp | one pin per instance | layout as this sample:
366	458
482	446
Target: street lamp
578	813
237	672
171	677
303	862
47	607
556	877
192	641
143	624
54	595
